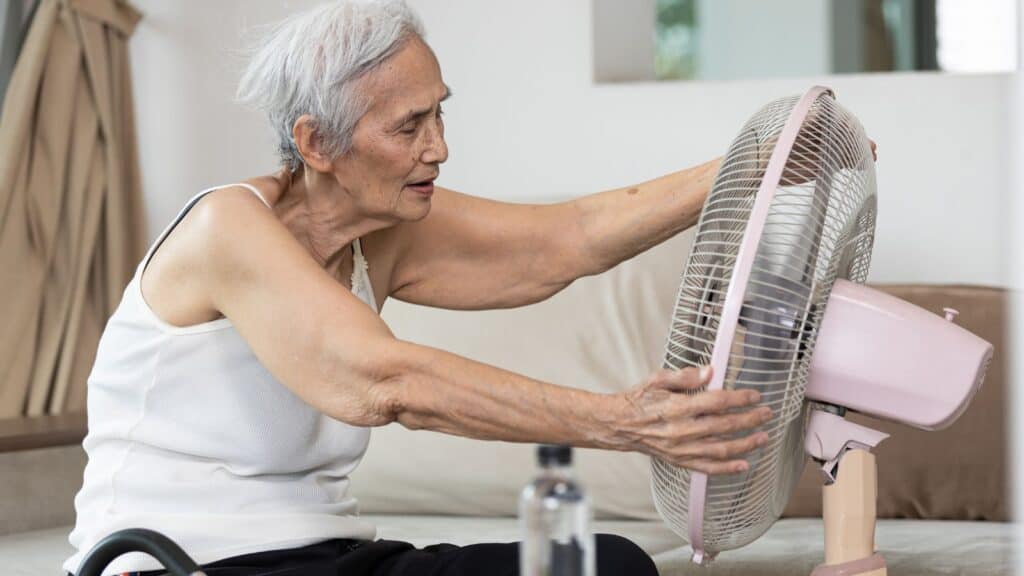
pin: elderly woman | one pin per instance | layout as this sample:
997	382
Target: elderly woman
235	387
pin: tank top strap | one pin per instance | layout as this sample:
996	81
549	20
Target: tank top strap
252	189
188	206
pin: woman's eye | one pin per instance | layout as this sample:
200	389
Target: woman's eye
408	129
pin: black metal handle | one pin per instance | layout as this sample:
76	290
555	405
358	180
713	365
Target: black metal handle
153	543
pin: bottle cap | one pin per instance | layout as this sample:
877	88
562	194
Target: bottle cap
554	454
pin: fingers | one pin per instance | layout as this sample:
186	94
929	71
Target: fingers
715	455
720	456
715	401
714	467
692	430
683	380
722	424
718	449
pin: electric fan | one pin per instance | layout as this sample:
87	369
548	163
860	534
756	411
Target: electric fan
772	298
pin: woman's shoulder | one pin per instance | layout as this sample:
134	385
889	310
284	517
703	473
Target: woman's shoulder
204	240
230	220
241	196
228	213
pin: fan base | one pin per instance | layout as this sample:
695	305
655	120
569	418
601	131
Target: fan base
873	565
850	513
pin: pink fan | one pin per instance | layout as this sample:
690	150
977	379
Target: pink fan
771	297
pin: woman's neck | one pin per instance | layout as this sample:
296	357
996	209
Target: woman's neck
322	215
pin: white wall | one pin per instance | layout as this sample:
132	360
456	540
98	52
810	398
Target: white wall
528	122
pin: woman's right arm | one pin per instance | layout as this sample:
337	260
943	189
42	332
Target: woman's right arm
336	354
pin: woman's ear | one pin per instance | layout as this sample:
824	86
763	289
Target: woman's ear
307	140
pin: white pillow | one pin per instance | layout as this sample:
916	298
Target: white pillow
603	333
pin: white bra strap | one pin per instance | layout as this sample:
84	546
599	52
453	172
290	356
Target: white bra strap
361	274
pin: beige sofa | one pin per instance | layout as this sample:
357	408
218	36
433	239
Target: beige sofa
941	495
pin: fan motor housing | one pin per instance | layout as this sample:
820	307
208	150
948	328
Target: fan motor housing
887	358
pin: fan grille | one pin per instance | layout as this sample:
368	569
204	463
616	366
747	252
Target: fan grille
820	227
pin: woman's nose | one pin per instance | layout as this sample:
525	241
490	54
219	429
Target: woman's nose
436	149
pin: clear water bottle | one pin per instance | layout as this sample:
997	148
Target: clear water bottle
554	517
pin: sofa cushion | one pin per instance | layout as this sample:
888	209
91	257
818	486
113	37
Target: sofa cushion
792	546
795	546
37	487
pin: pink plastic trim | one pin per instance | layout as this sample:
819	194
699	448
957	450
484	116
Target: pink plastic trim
737	290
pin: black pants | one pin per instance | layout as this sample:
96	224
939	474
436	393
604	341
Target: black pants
615	556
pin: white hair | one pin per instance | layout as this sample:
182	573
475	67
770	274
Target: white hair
310	64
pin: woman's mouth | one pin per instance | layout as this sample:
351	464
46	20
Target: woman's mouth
424	187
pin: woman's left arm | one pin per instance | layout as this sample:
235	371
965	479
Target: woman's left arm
473	253
619	224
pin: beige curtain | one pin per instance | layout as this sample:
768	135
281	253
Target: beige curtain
70	202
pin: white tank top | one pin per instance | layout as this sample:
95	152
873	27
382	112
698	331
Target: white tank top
191	436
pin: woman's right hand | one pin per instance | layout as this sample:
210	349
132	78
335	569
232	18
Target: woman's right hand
661	417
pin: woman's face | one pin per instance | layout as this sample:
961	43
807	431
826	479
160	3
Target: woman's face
398	145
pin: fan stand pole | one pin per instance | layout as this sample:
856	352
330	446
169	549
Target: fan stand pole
850	511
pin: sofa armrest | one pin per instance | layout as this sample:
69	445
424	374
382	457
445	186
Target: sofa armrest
34	432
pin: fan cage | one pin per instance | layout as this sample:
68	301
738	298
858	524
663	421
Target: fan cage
820	227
